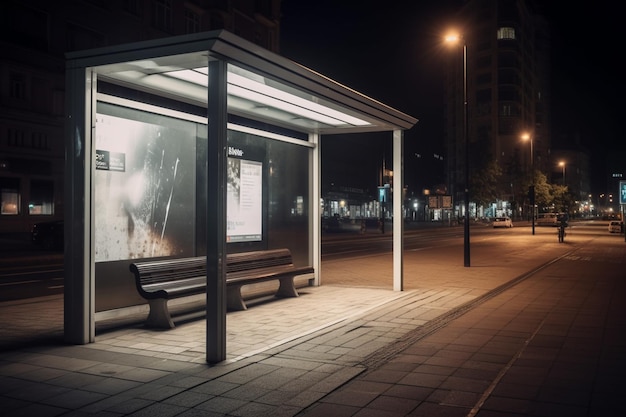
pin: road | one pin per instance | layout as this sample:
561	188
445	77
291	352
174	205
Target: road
34	280
342	245
346	245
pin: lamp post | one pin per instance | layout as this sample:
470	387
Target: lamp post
562	164
455	38
529	138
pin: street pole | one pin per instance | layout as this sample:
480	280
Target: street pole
455	39
532	190
466	230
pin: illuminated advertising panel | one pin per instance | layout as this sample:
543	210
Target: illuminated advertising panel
246	190
622	192
141	208
244	198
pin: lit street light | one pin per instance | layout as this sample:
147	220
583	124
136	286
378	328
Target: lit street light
529	138
455	39
562	164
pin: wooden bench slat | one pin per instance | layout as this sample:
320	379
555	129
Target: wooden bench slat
166	290
271	273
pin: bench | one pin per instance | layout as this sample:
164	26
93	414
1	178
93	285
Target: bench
163	280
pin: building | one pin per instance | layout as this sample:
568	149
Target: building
608	202
36	35
507	73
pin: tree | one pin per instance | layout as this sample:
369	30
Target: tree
484	184
562	199
543	190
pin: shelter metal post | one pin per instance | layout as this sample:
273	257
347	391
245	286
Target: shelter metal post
398	220
315	230
216	214
79	296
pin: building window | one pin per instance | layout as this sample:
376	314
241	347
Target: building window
15	138
258	39
483	96
25	26
80	38
162	17
483	62
509	76
40	101
483	46
41	198
17	89
264	7
507	126
506	33
39	140
133	7
9	196
508	93
216	22
58	102
192	21
483	78
508	60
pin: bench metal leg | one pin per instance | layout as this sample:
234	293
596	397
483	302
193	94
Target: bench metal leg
234	300
159	314
287	288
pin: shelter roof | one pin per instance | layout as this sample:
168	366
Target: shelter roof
261	85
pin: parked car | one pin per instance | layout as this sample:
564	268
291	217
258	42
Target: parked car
48	235
616	226
547	219
502	222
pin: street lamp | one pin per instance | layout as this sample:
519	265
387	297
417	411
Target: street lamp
562	164
529	138
455	39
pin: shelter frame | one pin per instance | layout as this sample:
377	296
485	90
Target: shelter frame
231	79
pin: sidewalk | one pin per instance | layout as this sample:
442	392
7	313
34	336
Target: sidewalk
346	348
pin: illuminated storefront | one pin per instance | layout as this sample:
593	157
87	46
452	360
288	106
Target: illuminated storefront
197	145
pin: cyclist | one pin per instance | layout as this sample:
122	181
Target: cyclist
562	226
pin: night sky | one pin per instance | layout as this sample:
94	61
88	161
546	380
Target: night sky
394	54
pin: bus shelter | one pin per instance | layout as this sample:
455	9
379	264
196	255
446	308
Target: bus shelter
198	145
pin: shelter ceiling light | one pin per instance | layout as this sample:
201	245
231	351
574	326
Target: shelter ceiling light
244	87
296	104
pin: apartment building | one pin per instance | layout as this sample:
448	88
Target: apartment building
507	79
35	35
